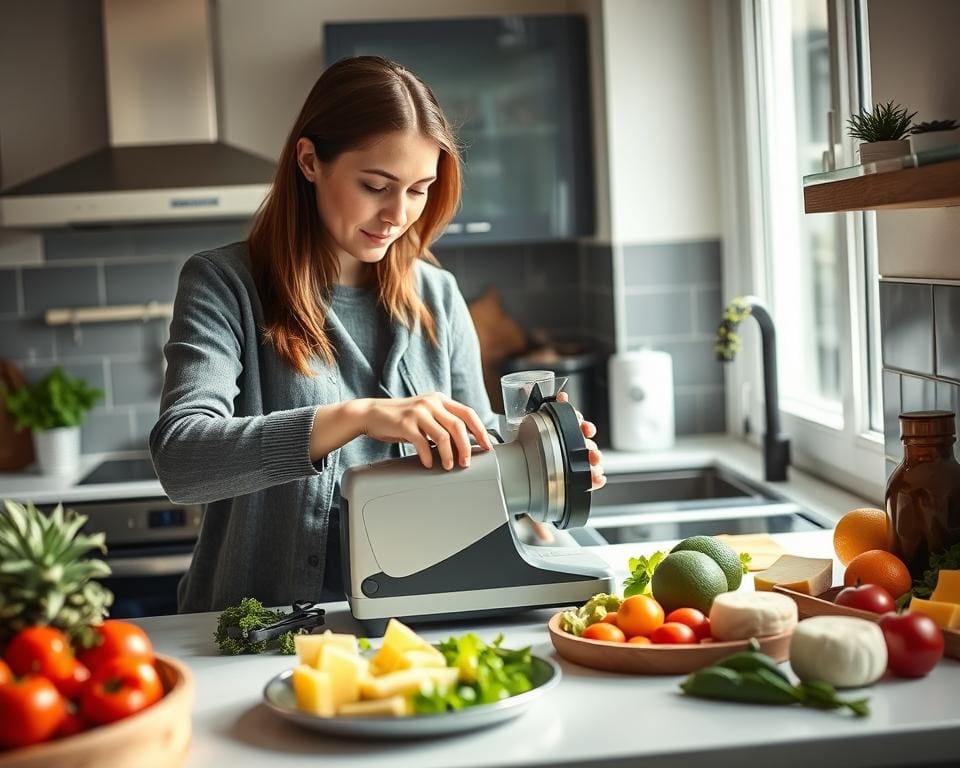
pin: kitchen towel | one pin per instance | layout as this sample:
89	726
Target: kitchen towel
641	401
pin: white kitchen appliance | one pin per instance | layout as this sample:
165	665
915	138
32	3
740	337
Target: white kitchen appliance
641	401
438	544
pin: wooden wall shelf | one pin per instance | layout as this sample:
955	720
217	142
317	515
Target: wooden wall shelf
936	185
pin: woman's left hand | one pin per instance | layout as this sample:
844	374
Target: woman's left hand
589	430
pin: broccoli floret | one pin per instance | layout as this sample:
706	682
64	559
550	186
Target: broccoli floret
578	619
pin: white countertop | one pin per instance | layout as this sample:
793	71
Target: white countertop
591	718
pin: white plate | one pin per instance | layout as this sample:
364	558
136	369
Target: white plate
279	697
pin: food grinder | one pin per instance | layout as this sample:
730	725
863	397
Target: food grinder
432	544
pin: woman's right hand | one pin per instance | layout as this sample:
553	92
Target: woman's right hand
418	420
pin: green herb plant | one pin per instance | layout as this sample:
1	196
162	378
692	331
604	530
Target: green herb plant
641	574
934	125
249	614
948	559
57	400
727	342
487	674
886	122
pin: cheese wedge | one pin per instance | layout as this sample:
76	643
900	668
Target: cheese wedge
948	587
946	615
810	575
346	672
310	647
395	706
761	547
313	690
742	615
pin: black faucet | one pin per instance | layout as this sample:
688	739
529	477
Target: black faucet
776	447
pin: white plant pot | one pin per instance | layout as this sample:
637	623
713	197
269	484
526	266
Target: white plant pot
58	450
883	150
921	142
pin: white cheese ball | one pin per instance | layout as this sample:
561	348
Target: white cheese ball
844	651
742	615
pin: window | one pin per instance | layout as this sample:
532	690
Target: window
804	64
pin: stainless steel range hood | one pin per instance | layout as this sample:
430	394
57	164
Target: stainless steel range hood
164	162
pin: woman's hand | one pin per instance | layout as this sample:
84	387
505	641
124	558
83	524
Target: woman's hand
589	429
417	420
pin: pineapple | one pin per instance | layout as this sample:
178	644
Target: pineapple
45	576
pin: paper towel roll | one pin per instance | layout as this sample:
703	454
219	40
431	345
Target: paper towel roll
641	401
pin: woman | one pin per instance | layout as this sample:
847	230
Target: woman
330	337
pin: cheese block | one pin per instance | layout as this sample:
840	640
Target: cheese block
310	647
394	706
810	575
408	681
313	690
948	587
346	671
761	547
844	651
742	615
946	615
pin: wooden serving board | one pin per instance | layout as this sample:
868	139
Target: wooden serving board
656	659
823	605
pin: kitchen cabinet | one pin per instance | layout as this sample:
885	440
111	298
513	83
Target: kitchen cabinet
516	91
935	185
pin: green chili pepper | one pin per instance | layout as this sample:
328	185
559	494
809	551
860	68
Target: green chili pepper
752	687
752	660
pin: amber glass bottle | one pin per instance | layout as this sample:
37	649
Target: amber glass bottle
923	492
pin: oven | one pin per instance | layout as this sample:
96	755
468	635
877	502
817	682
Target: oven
149	540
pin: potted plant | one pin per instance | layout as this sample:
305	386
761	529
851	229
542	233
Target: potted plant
53	409
934	134
882	132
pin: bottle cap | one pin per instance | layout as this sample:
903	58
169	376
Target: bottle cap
927	424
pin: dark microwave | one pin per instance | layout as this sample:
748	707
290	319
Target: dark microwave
517	91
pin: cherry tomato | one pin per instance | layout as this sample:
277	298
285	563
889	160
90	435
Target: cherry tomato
914	643
610	618
116	638
5	674
692	618
72	723
639	640
866	597
73	683
603	631
46	651
121	687
639	615
31	710
673	633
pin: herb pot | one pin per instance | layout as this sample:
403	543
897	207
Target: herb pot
883	150
922	142
58	450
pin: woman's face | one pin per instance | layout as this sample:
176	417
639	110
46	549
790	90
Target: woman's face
368	197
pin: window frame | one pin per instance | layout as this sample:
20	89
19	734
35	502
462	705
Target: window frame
843	449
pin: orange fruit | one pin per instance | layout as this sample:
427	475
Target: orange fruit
859	531
879	567
639	615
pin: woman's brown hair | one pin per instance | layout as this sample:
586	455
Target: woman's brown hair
354	101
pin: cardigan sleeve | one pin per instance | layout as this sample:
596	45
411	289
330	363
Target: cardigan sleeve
200	450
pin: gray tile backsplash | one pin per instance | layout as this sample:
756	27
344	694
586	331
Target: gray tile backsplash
920	325
9	305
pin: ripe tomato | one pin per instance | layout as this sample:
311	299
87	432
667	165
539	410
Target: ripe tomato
72	723
31	710
603	631
639	640
121	687
40	651
914	643
674	633
692	618
639	615
5	675
116	638
610	618
866	597
73	683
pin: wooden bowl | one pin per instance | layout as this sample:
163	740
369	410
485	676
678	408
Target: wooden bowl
157	737
823	605
656	659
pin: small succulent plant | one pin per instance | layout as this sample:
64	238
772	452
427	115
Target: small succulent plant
934	125
727	342
886	122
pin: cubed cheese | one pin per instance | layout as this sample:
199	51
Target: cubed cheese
310	647
948	587
394	706
946	615
810	575
346	672
844	651
742	615
426	657
408	681
313	690
397	640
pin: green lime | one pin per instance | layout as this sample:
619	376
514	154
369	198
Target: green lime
688	580
722	554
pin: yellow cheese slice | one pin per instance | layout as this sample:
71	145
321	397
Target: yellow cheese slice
394	706
948	587
946	615
310	647
408	681
346	672
313	690
761	547
810	575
